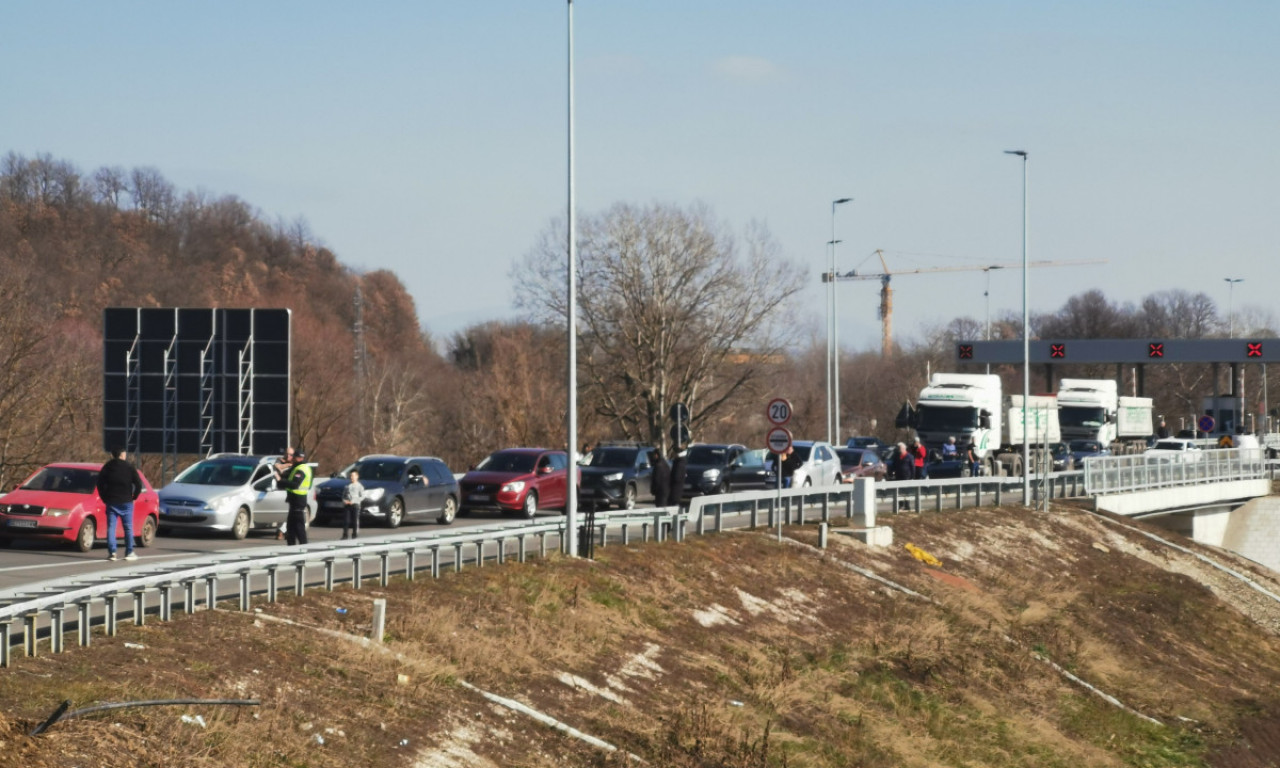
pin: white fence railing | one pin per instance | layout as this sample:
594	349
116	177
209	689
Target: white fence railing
1145	472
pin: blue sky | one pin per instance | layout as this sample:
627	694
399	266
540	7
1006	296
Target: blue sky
429	137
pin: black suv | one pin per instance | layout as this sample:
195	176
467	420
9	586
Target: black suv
395	488
618	474
707	467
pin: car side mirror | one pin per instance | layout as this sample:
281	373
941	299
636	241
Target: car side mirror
544	470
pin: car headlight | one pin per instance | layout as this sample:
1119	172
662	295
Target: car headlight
373	494
515	487
612	477
51	512
4	509
711	474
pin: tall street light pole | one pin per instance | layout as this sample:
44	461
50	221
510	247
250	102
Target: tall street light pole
1026	341
571	486
1231	290
833	422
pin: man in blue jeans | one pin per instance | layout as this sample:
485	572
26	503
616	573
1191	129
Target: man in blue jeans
118	487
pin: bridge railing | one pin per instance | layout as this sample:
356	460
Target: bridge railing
1146	472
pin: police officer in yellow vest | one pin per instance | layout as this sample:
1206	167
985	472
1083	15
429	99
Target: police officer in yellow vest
297	484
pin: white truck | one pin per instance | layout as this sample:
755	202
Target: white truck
970	408
1093	409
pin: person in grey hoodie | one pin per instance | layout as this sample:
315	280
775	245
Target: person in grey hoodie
352	495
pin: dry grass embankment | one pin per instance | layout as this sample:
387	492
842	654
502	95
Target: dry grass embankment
723	651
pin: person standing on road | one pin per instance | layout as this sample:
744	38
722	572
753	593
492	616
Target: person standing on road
918	452
904	464
675	484
118	486
1162	431
279	470
352	495
660	480
297	487
971	456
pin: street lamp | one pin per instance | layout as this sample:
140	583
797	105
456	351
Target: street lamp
833	339
1026	340
1231	289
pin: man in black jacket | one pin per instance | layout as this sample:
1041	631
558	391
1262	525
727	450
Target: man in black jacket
118	487
660	480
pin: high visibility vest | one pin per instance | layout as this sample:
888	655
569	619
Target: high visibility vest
303	486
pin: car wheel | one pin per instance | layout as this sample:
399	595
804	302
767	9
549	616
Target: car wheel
966	470
147	536
240	527
449	512
531	505
85	536
395	513
628	497
723	487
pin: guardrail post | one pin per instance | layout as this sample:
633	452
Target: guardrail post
480	554
826	507
800	509
55	629
356	575
5	637
919	497
502	549
189	597
300	578
29	633
211	591
435	562
542	545
755	512
384	567
84	625
521	555
271	583
720	517
626	534
702	521
822	535
110	616
140	606
457	558
328	573
166	601
773	504
959	495
657	525
897	501
999	489
937	492
244	590
410	555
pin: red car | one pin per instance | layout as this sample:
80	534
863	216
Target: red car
61	501
517	480
860	462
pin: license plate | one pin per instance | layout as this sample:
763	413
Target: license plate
478	497
332	504
177	512
22	523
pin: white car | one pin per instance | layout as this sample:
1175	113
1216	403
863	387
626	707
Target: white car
1174	449
818	464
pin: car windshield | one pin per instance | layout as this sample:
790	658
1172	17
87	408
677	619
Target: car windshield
229	473
1078	416
64	480
751	459
935	418
1058	449
863	442
613	457
509	462
1170	445
849	455
1086	446
378	470
707	454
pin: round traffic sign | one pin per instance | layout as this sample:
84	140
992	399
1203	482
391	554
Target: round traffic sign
779	411
778	440
1206	423
679	412
680	434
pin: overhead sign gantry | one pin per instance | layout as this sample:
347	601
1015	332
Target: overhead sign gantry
1121	351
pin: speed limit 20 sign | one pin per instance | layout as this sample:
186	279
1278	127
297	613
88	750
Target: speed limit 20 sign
779	411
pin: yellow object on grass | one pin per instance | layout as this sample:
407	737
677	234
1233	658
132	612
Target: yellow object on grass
923	556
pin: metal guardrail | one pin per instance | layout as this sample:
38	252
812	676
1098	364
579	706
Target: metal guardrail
57	607
1146	471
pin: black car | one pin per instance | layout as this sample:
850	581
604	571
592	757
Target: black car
1063	461
751	471
873	443
618	475
396	488
707	466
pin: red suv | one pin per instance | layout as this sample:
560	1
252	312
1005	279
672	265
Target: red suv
61	501
517	480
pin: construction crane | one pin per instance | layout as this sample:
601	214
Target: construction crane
886	288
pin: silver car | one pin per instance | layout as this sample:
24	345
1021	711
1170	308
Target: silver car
819	464
229	493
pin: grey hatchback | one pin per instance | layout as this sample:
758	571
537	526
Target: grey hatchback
229	493
396	488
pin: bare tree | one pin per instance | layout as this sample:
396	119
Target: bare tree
672	309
